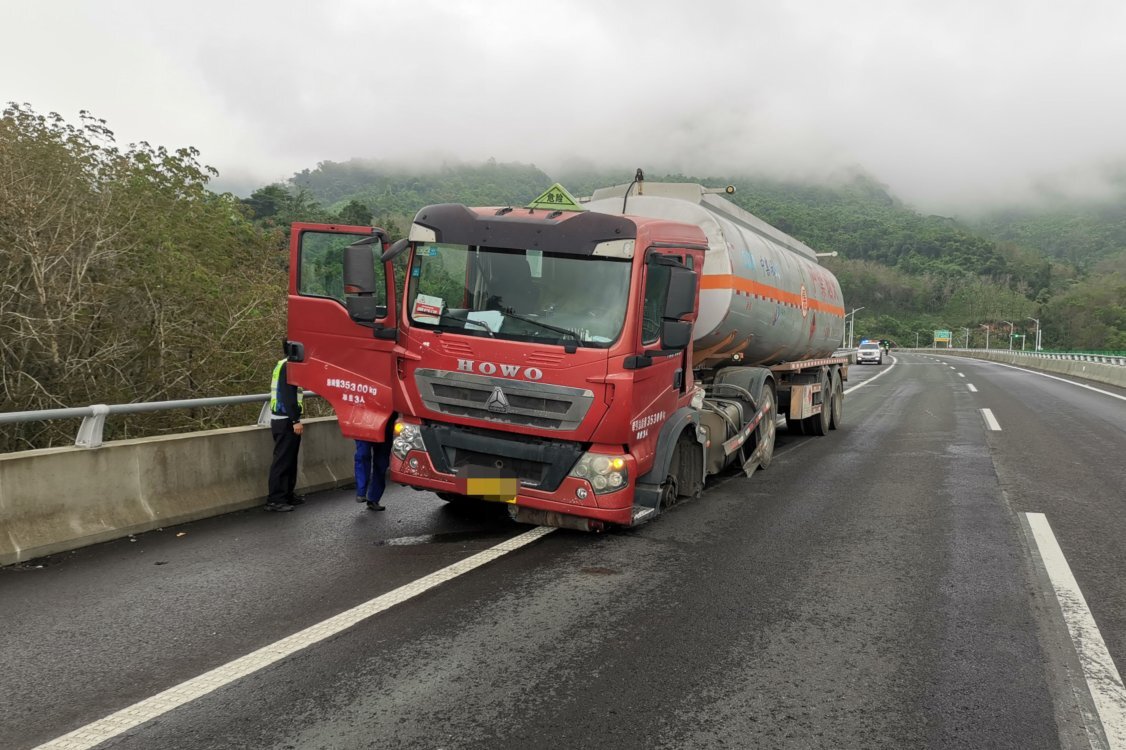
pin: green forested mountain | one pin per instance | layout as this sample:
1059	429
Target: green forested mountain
1088	241
391	190
1080	233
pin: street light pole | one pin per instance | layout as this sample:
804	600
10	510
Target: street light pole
851	328
967	330
1010	334
916	339
1037	321
987	330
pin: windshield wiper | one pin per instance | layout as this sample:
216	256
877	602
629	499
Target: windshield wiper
548	326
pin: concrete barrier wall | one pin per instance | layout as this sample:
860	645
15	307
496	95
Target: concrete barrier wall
62	498
1109	374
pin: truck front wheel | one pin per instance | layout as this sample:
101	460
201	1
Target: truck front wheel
685	479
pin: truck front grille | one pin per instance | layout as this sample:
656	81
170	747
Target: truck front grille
503	400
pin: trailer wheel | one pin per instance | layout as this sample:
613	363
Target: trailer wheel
838	402
818	424
768	427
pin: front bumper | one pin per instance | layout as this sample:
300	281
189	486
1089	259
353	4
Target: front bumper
417	470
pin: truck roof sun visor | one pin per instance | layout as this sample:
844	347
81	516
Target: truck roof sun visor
455	224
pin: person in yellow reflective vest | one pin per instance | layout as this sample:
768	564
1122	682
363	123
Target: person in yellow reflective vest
286	401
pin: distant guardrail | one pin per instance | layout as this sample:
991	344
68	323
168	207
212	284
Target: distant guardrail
94	416
1102	359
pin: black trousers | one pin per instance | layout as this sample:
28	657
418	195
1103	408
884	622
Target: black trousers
283	468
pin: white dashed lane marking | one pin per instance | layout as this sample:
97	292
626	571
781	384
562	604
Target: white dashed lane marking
990	421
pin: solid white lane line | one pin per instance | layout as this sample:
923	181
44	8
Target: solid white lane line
1103	679
1062	380
990	420
894	362
99	731
971	387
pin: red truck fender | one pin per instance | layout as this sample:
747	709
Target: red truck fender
647	492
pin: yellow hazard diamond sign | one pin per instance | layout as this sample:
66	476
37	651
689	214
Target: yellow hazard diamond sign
556	198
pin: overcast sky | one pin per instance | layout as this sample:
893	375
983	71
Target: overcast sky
948	102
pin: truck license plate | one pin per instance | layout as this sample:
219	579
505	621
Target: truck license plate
487	484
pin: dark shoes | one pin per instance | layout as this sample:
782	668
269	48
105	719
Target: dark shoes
374	505
361	499
295	500
278	507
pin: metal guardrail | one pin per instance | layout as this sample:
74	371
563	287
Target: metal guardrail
1103	359
94	416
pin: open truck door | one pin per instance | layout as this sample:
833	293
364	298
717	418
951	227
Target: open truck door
342	323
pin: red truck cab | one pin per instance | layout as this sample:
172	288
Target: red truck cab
542	355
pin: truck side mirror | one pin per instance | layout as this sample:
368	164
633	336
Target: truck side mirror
360	283
681	296
395	250
675	335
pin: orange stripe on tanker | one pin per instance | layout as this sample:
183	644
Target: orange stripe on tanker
749	286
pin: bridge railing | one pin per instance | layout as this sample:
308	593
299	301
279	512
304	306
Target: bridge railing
93	417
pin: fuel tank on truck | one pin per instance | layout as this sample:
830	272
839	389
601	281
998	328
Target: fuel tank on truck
764	298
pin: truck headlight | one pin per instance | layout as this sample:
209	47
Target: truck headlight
605	473
408	437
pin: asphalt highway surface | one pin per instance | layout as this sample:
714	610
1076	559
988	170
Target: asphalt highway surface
890	585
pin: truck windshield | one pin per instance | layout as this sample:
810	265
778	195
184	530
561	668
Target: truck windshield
524	295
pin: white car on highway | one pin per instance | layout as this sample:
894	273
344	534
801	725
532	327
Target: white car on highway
869	351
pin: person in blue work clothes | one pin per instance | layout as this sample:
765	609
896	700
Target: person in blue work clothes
372	460
286	401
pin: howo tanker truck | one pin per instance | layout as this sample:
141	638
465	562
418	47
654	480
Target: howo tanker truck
590	363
